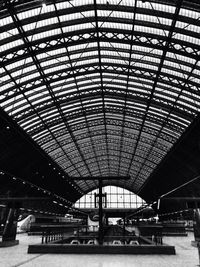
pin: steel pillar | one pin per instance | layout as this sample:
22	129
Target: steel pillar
10	222
100	214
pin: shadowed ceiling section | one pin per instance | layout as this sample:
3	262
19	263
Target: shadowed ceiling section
105	88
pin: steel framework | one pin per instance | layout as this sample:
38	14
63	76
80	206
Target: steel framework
105	88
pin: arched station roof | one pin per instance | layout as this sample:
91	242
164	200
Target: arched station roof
104	88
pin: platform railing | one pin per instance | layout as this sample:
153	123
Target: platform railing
50	236
58	233
83	233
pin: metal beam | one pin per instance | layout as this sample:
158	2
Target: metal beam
100	178
24	198
183	199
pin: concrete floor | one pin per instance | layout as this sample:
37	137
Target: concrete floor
186	256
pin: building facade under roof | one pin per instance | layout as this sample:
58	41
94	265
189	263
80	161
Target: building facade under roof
95	88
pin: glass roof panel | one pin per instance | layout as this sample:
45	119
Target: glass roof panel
102	100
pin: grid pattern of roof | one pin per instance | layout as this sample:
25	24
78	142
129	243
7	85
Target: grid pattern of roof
104	87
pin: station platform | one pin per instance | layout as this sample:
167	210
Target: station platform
17	256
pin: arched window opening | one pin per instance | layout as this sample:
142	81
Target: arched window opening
113	197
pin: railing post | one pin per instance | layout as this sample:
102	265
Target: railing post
43	237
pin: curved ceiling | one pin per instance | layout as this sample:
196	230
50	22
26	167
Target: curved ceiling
105	88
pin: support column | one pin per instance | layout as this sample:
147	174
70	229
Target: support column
124	223
197	229
100	214
10	224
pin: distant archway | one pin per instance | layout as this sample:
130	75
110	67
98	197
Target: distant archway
115	197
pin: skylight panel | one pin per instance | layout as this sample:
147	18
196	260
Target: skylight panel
185	68
19	63
53	61
5	86
120	14
29	77
29	27
189	13
5	35
162	96
13	32
103	13
181	57
40	135
24	70
139	87
41	100
77	27
82	2
27	123
145	66
90	86
181	25
47	8
149	57
6	20
56	84
171	72
173	92
64	5
46	22
29	13
17	108
116	45
196	70
148	18
69	17
56	127
86	61
10	45
113	61
53	68
44	34
171	64
160	7
195	79
31	96
82	47
164	21
89	78
189	98
13	101
147	50
113	86
193	28
39	91
52	117
179	122
83	53
150	30
17	73
29	126
115	25
187	38
3	76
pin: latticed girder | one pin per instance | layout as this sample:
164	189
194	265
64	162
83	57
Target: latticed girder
104	87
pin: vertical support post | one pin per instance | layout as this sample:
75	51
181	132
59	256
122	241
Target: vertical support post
197	229
10	226
100	214
158	207
105	200
124	223
95	200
